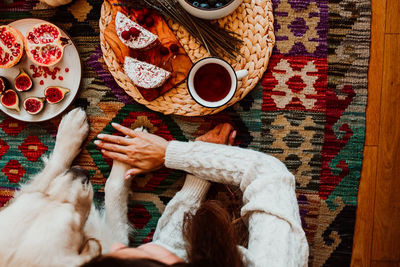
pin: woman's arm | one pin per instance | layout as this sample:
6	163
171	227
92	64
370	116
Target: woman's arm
169	227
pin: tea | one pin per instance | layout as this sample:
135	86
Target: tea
212	82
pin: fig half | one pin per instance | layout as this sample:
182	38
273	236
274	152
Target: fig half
33	105
10	100
23	82
55	94
4	84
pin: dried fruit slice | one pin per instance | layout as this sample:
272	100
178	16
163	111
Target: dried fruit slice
143	39
55	94
11	46
23	82
44	44
4	84
33	105
145	75
10	100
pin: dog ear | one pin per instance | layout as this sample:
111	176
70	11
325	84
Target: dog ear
91	248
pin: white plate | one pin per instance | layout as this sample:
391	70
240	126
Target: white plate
71	79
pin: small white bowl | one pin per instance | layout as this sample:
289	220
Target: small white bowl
210	13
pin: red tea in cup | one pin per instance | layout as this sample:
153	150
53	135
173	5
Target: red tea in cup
212	82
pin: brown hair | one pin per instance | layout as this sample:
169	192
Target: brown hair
210	239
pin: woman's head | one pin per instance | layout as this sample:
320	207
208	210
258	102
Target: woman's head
210	241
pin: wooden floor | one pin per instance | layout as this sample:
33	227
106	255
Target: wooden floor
377	233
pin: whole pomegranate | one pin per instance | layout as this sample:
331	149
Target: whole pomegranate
11	46
44	44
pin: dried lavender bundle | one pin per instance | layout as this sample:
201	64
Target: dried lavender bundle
218	41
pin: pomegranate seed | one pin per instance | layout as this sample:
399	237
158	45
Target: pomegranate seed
146	11
149	22
60	78
174	48
125	35
41	82
45	75
164	50
134	32
54	77
140	19
66	69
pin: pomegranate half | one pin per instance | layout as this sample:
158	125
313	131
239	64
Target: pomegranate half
44	44
11	46
10	100
23	82
33	105
54	94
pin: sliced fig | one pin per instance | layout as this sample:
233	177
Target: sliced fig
10	100
23	82
33	105
55	94
4	84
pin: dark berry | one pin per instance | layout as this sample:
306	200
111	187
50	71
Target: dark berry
164	50
196	4
146	11
134	32
219	4
126	35
149	21
141	19
212	2
204	5
174	48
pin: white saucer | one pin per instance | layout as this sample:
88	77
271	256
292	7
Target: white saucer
71	79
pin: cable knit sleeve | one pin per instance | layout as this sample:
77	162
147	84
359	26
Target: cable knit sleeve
276	237
169	227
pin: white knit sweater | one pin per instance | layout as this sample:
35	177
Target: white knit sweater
276	237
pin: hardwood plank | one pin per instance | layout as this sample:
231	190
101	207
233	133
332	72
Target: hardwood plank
385	264
386	230
362	243
375	71
393	16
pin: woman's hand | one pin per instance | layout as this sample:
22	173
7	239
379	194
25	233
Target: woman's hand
222	134
145	152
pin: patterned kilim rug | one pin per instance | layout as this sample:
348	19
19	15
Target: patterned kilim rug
308	110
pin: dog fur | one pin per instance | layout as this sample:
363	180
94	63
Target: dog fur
52	221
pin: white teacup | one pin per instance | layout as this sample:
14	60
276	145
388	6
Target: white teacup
212	77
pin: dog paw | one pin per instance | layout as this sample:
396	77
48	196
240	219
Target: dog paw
72	132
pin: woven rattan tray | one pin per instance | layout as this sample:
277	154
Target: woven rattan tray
253	21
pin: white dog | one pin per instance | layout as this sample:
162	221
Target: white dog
51	221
